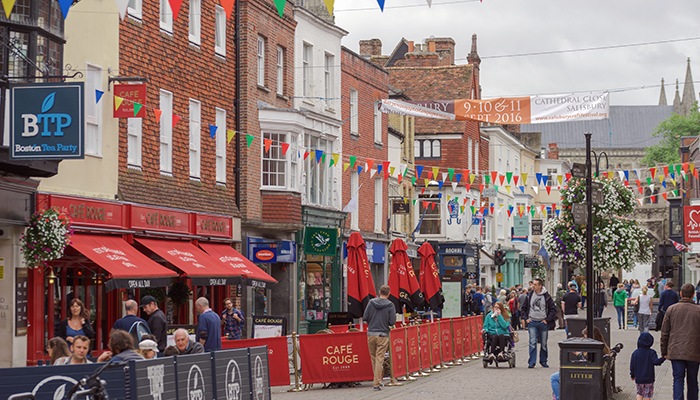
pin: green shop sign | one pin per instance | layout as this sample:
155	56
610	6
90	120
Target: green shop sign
321	241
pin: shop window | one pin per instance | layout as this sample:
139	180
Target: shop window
318	175
274	163
316	301
430	212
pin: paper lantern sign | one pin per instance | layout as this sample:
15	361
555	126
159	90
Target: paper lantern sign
130	94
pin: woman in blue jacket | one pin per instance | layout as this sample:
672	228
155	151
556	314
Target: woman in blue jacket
496	328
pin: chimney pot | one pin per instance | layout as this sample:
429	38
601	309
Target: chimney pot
410	47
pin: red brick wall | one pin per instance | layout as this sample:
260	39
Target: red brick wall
281	207
371	83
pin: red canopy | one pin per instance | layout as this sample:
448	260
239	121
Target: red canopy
402	279
241	266
360	283
430	277
128	268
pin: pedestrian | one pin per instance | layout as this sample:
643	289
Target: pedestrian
380	316
468	301
478	301
584	293
121	348
619	300
488	303
538	310
571	302
557	303
184	344
644	311
57	349
613	282
667	298
496	329
81	348
514	308
697	293
521	300
232	320
209	326
502	296
130	320
260	303
642	366
680	342
78	323
602	299
628	287
156	321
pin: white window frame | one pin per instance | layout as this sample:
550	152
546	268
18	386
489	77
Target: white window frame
476	158
355	215
486	234
166	132
517	166
436	148
500	157
93	111
280	70
501	216
195	22
307	69
220	140
354	112
261	61
294	172
508	159
166	16
378	202
328	61
377	123
430	215
134	142
220	31
552	174
195	138
134	9
290	161
322	195
470	150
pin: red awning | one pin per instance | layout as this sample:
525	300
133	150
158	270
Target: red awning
128	267
200	267
243	267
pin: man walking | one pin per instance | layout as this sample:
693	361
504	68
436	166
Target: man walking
156	321
232	320
601	301
126	322
680	342
521	300
380	316
209	326
570	303
558	301
538	311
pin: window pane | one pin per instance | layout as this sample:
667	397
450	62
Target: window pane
426	148
416	145
436	148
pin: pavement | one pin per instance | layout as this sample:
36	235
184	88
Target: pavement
473	380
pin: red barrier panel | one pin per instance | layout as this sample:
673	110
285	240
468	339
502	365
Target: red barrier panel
457	325
397	341
479	328
435	343
399	324
278	357
447	340
424	340
475	336
467	336
341	357
413	348
338	328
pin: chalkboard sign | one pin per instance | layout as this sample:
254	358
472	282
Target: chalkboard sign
629	314
21	301
259	376
265	326
536	227
232	374
194	377
152	379
531	261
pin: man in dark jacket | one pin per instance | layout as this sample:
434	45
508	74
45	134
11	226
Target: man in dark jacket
185	345
680	342
127	322
538	310
156	321
380	316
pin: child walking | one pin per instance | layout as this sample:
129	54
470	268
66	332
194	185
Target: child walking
642	366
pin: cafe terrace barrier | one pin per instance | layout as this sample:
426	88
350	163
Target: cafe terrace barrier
277	354
239	374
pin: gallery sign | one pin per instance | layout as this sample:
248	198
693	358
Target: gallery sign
47	121
691	219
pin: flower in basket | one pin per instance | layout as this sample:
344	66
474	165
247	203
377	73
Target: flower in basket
46	237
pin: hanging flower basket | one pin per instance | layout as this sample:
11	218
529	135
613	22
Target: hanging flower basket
46	238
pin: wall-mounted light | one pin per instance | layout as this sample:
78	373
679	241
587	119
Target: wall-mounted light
51	277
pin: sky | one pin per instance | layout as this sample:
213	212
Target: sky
510	27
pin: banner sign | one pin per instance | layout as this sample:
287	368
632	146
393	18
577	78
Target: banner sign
265	254
521	227
276	354
397	341
413	348
479	328
340	357
132	94
476	339
509	110
691	217
446	336
435	355
320	241
159	219
424	341
90	212
467	336
457	325
267	326
232	374
47	121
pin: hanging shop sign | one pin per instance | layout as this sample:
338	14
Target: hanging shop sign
521	227
130	94
400	207
285	251
376	252
47	121
536	227
160	219
691	217
321	241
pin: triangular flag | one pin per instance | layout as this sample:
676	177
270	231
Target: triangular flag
430	174
414	202
665	196
227	5
249	138
494	174
508	189
8	5
334	159
229	134
306	154
468	186
641	190
481	188
117	102
176	118
627	175
98	93
487	179
458	177
345	166
653	172
381	4
611	174
549	189
435	171
515	180
568	176
359	170
426	181
640	201
400	177
268	143
502	178
285	147
638	182
413	180
175	7
509	176
385	165
536	189
319	156
649	181
524	178
636	171
158	113
451	172
370	162
544	180
137	108
692	167
522	188
65	5
440	183
379	170
212	131
329	6
419	171
432	205
665	171
539	178
280	6
353	160
471	179
312	154
444	176
391	170
372	172
559	178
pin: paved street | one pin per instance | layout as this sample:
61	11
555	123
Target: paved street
472	380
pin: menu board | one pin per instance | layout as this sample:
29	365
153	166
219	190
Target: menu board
21	300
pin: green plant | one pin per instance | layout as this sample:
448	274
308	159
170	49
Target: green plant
157	293
179	293
540	271
46	238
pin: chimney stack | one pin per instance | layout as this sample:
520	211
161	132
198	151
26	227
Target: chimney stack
553	151
371	47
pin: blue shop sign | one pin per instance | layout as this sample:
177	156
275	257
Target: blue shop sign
376	252
271	251
47	120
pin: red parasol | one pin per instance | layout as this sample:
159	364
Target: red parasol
430	277
402	279
360	284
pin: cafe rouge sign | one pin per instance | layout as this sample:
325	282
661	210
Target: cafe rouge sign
47	121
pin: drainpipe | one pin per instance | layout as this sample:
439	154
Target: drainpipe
237	104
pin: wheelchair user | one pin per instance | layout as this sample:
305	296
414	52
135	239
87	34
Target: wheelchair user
496	329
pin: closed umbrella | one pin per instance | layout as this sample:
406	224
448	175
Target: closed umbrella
430	277
402	280
360	283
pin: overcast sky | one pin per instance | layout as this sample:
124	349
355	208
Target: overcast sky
509	27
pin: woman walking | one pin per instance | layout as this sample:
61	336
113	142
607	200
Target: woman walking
619	300
645	307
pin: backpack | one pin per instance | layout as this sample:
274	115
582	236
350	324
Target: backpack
137	330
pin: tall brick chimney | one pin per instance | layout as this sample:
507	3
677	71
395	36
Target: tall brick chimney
445	47
371	47
553	151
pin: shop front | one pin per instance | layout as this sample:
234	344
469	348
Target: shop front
124	251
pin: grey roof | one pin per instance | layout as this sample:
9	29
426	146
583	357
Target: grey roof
631	126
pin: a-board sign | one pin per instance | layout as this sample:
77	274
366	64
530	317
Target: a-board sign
536	227
453	299
489	192
265	326
531	261
578	170
629	314
580	212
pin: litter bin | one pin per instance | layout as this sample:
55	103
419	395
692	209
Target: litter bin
581	373
575	327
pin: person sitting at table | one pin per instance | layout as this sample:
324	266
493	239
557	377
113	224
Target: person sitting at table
57	349
185	345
